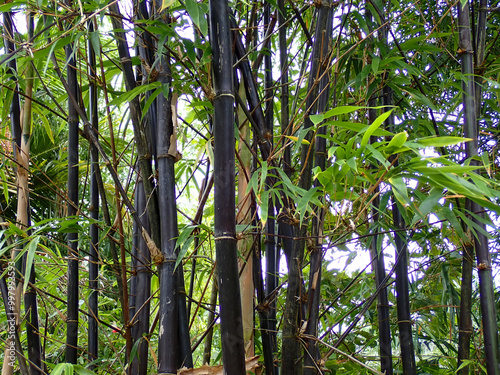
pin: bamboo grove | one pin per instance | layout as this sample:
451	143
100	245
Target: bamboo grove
276	187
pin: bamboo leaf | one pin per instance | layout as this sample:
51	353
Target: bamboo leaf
437	141
296	139
358	128
80	370
372	128
316	119
129	95
304	202
396	142
166	3
264	206
399	189
428	204
184	242
150	101
32	246
263	175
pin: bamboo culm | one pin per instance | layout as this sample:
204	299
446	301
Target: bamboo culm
233	351
73	179
142	278
483	257
93	339
291	346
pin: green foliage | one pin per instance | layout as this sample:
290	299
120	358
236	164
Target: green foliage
429	182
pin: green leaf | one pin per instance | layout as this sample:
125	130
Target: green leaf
396	142
264	206
150	101
316	119
399	189
358	128
184	241
417	95
428	204
166	3
95	41
32	246
378	156
304	202
80	370
372	128
129	95
45	123
5	186
375	64
342	110
437	141
263	175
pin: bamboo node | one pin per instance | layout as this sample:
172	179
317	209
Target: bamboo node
224	238
483	266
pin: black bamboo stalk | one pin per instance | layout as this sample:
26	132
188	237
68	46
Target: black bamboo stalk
93	340
272	256
465	323
207	349
312	356
465	328
186	356
15	121
252	95
233	351
15	109
402	280
483	257
168	349
291	350
175	321
140	129
73	179
480	52
142	277
284	228
384	323
264	304
401	271
145	48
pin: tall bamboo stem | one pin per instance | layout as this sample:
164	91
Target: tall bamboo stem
483	257
93	340
291	317
73	181
233	351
